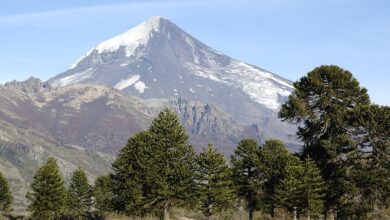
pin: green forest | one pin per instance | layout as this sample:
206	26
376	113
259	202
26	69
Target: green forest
342	170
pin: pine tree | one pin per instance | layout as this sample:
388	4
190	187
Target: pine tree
135	171
213	176
288	194
102	193
175	159
5	195
154	171
321	105
274	158
79	195
369	174
312	190
48	195
247	174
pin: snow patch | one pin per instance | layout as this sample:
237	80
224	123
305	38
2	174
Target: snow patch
75	78
127	82
132	39
261	86
140	86
81	58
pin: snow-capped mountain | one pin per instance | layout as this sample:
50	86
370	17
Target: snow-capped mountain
157	59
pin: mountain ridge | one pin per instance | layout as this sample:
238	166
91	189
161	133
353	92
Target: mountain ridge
157	59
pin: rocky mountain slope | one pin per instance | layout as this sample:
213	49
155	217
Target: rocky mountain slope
157	59
85	125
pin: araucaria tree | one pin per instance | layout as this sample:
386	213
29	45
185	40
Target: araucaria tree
48	195
302	191
154	171
327	106
79	195
247	175
214	180
5	194
102	193
275	159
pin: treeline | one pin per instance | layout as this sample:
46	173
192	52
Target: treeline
341	172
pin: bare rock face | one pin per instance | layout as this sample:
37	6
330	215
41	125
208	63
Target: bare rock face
102	118
157	59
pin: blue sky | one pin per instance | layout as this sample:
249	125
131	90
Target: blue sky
287	37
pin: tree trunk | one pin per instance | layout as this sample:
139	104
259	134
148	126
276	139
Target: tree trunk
295	213
330	214
273	211
250	213
250	206
165	214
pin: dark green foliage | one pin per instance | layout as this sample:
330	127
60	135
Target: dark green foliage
312	190
134	169
345	136
275	159
370	176
302	190
5	194
175	161
48	195
214	179
79	195
155	169
102	194
247	174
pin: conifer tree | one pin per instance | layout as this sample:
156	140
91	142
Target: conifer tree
5	195
175	159
288	194
312	190
321	105
79	195
48	195
274	158
154	171
135	169
247	174
102	194
213	176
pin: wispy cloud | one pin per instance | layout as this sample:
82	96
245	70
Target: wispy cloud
65	16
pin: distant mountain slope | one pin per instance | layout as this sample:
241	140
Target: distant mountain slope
157	59
85	125
102	118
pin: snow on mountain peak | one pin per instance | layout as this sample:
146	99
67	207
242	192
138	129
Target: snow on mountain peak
131	39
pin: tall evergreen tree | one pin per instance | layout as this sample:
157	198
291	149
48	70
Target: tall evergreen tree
102	194
369	174
247	174
154	171
214	179
274	158
48	195
175	159
312	190
321	105
302	191
5	195
135	172
79	195
288	194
